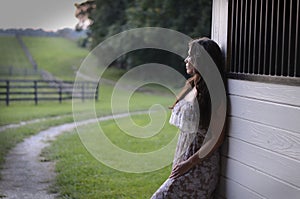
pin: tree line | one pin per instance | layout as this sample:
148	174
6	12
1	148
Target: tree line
191	17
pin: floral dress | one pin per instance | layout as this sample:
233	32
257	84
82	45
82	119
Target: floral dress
200	181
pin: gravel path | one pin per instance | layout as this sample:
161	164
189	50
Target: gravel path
25	175
23	123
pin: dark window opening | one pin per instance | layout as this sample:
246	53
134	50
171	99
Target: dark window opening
264	39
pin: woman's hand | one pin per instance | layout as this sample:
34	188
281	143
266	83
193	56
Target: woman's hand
184	166
181	169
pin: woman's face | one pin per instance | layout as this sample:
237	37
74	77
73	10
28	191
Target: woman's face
190	69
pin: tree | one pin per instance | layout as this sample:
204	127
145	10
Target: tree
191	17
82	13
109	18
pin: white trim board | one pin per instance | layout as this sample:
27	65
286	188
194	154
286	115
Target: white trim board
276	115
253	179
270	163
274	139
265	91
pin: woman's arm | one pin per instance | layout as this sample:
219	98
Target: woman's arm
197	157
208	147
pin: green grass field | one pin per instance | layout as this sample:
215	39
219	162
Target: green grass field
13	60
23	111
12	53
59	56
10	137
79	175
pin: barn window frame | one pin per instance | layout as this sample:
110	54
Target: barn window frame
263	41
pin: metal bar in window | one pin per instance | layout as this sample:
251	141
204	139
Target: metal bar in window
290	38
245	35
277	39
271	39
232	64
236	36
283	38
255	34
296	40
265	40
241	36
250	36
260	37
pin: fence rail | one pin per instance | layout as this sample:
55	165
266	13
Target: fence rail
43	90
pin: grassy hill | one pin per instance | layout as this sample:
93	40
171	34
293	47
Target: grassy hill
86	178
59	56
12	55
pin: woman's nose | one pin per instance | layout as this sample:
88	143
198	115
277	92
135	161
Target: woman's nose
186	60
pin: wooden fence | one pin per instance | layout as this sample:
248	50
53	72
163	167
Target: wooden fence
42	90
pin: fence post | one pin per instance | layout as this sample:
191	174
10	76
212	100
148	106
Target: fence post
97	92
60	93
7	93
35	92
82	92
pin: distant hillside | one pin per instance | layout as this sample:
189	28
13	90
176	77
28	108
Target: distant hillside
12	54
66	33
59	56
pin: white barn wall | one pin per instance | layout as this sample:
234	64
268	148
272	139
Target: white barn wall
261	153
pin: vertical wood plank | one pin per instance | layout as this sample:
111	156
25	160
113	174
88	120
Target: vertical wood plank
7	92
220	24
60	93
35	92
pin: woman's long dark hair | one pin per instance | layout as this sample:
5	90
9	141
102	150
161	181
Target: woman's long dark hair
197	81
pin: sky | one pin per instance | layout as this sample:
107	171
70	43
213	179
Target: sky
45	14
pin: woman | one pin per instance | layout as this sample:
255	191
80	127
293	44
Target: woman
192	176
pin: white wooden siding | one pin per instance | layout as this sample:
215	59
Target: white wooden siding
219	21
261	153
